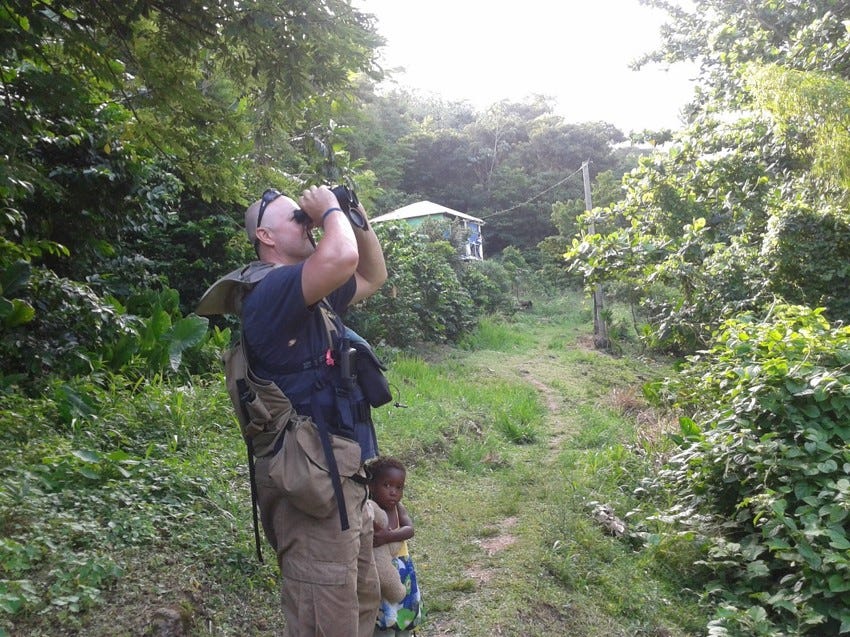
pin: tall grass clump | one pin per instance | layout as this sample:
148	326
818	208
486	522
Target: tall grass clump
494	334
518	413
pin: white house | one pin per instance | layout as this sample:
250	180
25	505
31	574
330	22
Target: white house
416	213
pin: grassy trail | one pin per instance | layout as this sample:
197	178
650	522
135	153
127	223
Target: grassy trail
509	444
494	527
487	539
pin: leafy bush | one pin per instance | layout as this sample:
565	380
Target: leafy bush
489	285
771	465
74	331
70	322
423	300
807	254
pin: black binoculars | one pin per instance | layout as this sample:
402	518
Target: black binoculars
348	203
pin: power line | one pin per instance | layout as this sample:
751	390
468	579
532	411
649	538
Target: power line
529	200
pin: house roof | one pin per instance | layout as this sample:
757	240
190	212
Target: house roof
423	209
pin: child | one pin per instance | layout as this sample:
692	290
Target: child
386	488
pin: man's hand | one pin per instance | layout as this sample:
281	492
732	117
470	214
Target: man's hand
315	201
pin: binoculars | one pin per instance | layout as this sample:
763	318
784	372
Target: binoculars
348	203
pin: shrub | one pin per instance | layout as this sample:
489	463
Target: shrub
422	299
70	322
489	285
770	465
807	253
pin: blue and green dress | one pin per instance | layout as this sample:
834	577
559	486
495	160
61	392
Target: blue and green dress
407	614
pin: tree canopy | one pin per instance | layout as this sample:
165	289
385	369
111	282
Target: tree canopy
720	221
133	134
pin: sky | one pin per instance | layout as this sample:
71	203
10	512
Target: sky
577	52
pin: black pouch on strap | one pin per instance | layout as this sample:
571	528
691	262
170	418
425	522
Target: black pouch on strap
370	375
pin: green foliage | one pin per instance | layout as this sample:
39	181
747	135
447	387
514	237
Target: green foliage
812	101
488	284
164	334
484	163
90	474
70	329
422	298
76	332
687	244
110	490
517	267
771	464
13	311
807	256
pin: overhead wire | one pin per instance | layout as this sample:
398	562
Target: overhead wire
530	199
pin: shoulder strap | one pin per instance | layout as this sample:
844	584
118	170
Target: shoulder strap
331	321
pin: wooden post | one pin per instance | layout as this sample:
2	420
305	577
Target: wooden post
600	328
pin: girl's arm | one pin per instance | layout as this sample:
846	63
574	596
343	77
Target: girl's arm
403	532
405	525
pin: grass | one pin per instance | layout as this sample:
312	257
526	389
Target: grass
509	442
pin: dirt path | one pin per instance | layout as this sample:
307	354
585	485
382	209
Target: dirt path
491	563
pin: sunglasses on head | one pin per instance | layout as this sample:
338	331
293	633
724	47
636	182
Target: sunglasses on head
269	196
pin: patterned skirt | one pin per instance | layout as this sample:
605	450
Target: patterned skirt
407	614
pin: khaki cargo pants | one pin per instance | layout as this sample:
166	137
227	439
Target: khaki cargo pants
330	583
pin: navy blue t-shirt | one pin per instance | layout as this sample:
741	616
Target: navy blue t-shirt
281	332
287	343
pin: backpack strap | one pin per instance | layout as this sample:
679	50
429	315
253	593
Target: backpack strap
332	334
332	322
333	469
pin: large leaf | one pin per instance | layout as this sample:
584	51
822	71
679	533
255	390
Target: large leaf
186	333
16	312
156	327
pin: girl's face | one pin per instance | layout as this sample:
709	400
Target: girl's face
388	488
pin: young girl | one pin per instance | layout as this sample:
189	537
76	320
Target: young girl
386	488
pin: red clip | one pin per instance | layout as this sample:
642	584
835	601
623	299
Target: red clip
329	358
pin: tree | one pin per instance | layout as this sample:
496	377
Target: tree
128	130
710	198
508	163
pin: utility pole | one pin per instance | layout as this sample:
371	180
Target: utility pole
600	328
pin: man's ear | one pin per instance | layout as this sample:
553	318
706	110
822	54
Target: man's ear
263	236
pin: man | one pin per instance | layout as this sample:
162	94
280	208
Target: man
330	585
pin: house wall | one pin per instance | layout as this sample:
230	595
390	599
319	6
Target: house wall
474	248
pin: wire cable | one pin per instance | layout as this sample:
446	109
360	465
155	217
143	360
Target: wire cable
529	200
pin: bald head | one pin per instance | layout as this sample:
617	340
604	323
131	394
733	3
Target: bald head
256	214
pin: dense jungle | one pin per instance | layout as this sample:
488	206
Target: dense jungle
632	417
